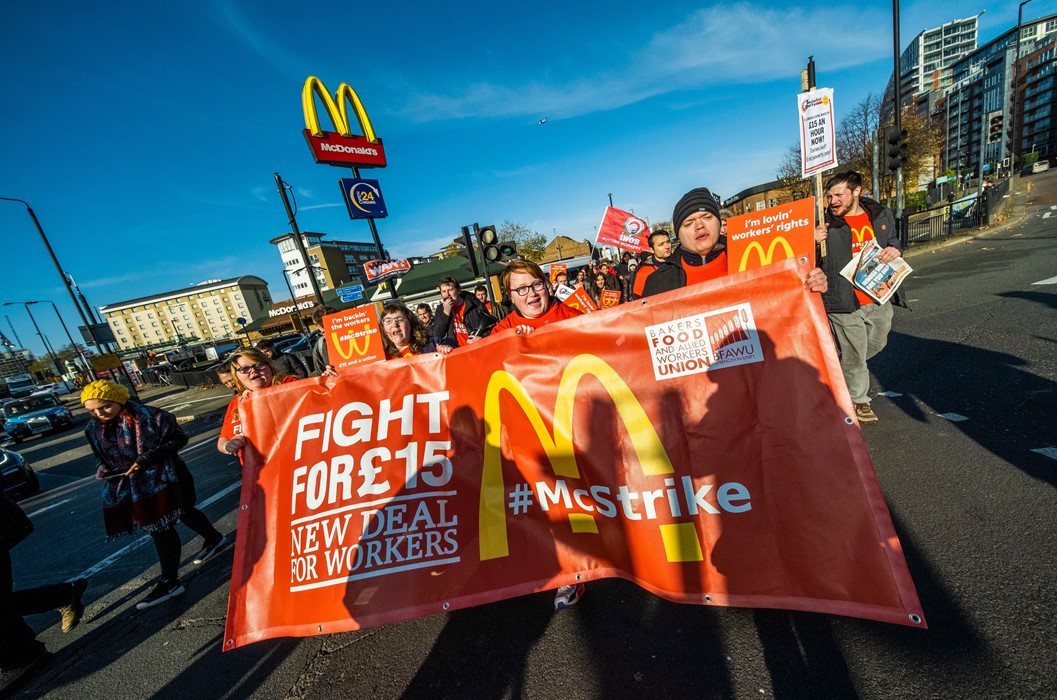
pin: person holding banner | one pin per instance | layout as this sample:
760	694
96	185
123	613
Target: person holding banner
404	336
534	306
252	370
702	251
460	316
604	282
860	325
320	353
146	484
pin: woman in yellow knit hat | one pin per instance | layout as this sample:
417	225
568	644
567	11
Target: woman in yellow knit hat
146	484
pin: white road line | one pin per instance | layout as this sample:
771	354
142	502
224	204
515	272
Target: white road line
41	510
1048	280
1047	215
953	417
890	394
1050	452
96	568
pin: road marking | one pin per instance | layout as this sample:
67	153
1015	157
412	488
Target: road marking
1048	280
890	394
96	568
953	417
1050	452
178	407
1047	215
53	505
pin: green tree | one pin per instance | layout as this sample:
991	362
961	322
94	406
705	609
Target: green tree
530	243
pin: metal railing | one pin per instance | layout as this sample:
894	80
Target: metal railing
954	218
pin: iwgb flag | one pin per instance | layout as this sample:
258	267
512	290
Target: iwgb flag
701	444
621	229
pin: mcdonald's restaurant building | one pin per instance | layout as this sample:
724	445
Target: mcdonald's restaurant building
207	311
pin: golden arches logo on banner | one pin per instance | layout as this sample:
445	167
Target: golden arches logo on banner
768	257
558	443
336	107
352	348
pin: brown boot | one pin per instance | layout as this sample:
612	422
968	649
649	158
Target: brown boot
72	613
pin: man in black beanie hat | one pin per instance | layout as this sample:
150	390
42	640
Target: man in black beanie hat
702	251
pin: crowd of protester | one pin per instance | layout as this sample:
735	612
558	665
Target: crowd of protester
147	487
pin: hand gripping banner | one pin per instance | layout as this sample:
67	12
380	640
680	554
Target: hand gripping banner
699	443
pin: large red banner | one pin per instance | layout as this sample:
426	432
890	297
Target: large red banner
700	443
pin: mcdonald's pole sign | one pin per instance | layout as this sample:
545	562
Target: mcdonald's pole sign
702	445
771	235
340	147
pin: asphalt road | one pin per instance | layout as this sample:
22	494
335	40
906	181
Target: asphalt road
966	452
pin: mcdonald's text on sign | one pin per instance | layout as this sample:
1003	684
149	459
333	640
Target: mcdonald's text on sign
339	147
818	136
428	484
353	337
771	235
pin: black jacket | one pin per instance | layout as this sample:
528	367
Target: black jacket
840	298
478	321
290	365
670	274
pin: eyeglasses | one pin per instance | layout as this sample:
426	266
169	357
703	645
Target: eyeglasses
390	321
537	286
248	369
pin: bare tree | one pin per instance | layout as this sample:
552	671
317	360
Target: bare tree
789	169
530	244
855	135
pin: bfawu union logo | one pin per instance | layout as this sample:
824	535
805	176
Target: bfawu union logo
704	342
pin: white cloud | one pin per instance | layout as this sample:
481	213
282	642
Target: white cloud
713	47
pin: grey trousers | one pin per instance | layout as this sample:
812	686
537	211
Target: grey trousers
861	334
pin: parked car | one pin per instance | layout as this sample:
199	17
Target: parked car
54	390
16	475
1040	166
34	415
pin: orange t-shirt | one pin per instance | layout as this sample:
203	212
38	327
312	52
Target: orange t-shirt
557	312
861	231
712	270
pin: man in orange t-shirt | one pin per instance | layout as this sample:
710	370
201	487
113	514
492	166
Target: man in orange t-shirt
860	326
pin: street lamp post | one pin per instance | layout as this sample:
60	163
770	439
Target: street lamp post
84	360
1016	87
44	338
69	289
298	323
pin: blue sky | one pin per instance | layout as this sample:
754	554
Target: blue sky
145	134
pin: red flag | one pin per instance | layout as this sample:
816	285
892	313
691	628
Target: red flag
621	229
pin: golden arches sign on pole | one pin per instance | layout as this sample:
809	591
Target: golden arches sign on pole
340	147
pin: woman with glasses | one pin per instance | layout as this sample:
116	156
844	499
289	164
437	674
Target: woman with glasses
252	370
529	290
403	335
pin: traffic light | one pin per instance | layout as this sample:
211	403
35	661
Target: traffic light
492	249
896	150
994	131
468	252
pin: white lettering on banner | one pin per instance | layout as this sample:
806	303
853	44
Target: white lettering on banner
341	148
406	524
731	497
780	222
704	342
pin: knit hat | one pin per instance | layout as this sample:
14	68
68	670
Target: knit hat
699	199
105	391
